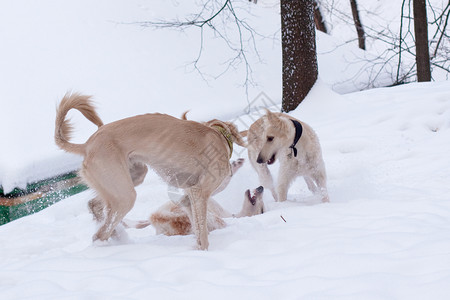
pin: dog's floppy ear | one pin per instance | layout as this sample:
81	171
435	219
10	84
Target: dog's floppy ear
273	119
271	116
277	122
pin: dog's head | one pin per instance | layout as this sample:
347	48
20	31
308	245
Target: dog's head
275	137
253	204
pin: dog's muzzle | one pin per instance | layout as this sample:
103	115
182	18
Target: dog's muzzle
260	160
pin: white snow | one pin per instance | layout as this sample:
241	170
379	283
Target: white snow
384	235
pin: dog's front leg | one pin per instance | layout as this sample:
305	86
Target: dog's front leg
199	208
285	177
264	175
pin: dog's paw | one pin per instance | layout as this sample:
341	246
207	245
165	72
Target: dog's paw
99	243
237	164
120	236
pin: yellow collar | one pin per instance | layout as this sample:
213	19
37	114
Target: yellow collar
226	135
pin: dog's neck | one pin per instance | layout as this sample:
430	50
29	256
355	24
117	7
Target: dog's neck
298	134
226	135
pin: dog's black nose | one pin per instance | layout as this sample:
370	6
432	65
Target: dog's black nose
260	189
259	160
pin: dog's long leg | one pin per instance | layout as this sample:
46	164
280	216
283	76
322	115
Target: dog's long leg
138	171
264	175
113	183
199	207
320	178
96	207
286	176
117	208
311	185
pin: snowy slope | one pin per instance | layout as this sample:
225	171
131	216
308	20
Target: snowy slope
50	47
384	235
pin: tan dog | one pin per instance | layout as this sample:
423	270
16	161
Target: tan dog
173	218
186	154
278	136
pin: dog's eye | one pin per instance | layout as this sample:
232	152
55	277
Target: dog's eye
270	138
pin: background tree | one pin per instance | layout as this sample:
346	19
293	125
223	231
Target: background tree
392	49
298	40
421	35
358	25
318	18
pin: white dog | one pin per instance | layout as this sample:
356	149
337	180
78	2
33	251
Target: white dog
278	136
173	218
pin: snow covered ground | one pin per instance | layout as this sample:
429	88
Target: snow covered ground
384	235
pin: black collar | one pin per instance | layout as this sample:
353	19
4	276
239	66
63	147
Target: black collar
298	134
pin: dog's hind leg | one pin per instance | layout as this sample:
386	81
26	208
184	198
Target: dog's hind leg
138	171
320	179
113	183
321	182
264	175
311	185
96	207
118	205
199	208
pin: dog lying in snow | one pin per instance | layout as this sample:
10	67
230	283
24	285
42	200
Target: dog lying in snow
186	154
173	219
278	136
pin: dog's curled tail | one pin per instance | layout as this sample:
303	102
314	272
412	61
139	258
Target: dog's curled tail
63	128
244	133
184	115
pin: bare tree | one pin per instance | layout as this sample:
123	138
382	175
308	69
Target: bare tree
358	25
318	18
394	50
298	42
421	35
441	34
222	19
298	39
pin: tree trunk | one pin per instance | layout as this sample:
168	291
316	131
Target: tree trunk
358	25
318	19
298	39
421	34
